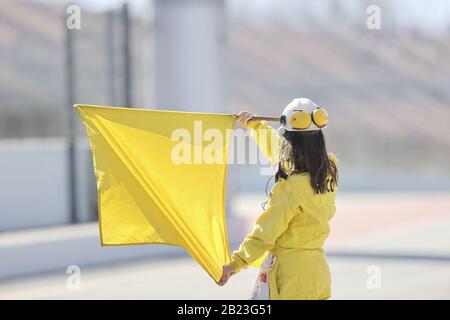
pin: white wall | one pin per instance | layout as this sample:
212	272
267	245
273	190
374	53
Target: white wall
33	183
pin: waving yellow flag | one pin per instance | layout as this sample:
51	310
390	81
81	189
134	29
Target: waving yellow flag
161	179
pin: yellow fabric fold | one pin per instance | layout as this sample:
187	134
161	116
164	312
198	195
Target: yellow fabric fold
156	181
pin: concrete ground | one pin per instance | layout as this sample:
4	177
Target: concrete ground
181	278
381	247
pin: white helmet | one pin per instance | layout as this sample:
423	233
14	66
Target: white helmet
302	114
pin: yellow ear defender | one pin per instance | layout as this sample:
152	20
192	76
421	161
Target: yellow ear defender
320	117
300	119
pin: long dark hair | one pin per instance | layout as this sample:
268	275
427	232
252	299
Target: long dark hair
305	151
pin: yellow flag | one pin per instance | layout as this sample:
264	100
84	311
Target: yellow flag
161	179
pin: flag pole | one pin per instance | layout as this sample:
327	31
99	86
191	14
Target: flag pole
263	118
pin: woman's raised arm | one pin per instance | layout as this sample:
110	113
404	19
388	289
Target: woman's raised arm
264	135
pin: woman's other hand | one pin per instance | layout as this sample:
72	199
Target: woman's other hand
226	274
243	118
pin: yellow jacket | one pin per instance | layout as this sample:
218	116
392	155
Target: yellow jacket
293	228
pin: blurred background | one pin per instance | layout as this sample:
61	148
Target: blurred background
386	89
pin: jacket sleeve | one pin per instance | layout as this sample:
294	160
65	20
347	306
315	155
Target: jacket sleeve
272	223
266	138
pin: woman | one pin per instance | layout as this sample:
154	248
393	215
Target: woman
290	233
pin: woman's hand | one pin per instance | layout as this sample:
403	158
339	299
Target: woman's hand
226	274
243	118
